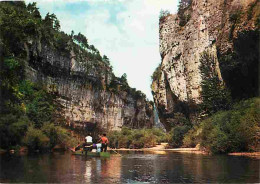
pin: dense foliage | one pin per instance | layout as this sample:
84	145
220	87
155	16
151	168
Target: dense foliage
240	67
26	109
236	130
215	95
235	79
184	13
136	138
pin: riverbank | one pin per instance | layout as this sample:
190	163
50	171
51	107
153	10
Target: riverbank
162	147
252	154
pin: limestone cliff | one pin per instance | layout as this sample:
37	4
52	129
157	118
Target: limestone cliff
224	28
87	91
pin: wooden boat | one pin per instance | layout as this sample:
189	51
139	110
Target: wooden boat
92	154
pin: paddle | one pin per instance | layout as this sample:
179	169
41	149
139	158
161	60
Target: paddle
116	152
71	149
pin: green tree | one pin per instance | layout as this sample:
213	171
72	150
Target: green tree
52	22
82	40
184	17
124	78
163	14
215	95
32	9
106	60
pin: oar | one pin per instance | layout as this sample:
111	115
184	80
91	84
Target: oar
116	152
66	145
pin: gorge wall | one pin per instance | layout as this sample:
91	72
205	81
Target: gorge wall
229	31
88	93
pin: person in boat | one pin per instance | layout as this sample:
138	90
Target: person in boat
88	143
104	143
99	145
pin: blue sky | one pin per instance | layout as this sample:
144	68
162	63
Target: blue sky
127	31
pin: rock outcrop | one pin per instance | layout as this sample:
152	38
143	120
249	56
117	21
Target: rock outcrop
81	86
223	28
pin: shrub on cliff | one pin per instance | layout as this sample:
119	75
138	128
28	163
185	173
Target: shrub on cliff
163	14
235	130
184	13
157	73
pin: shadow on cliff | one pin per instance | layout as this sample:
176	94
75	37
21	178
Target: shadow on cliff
240	68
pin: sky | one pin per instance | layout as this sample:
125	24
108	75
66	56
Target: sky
127	31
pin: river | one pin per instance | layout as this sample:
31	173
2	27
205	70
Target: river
132	167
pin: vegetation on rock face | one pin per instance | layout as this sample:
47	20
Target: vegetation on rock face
222	131
184	13
157	73
240	67
215	96
27	110
23	25
234	18
236	130
163	15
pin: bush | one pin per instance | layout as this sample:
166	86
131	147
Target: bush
177	135
65	138
35	139
235	130
12	130
136	138
47	137
58	135
191	139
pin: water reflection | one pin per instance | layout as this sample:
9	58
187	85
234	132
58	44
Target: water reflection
161	167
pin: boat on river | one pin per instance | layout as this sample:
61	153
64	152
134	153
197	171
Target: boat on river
92	154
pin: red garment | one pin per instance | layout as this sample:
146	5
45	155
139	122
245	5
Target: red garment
104	140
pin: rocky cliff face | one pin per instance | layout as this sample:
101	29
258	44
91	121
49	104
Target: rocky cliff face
225	29
81	85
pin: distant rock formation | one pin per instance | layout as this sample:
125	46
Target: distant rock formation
226	29
82	88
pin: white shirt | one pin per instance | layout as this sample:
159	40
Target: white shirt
88	139
99	145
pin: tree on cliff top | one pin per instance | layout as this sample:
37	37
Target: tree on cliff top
183	16
184	4
164	14
80	38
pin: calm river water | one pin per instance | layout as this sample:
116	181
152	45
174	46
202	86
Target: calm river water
132	167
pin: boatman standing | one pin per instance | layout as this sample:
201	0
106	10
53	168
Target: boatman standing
104	141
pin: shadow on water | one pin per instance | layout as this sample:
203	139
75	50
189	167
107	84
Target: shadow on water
133	167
